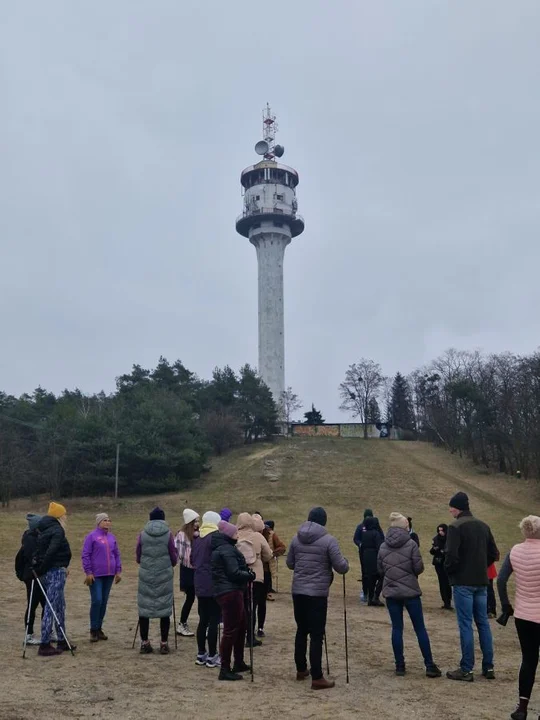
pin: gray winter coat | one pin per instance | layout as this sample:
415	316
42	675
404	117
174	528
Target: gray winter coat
313	554
400	562
155	593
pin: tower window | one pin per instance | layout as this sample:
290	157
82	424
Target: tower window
280	197
257	197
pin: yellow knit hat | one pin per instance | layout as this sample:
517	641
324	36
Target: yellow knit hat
56	510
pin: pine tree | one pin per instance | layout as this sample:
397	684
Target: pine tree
313	416
400	410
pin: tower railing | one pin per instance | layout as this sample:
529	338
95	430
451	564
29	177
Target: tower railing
269	211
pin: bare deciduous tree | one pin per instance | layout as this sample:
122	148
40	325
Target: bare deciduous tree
363	383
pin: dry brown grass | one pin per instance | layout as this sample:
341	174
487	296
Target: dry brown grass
283	481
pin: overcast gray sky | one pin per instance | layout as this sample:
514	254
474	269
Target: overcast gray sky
125	125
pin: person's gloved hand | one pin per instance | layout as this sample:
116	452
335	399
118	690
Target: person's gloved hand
89	580
252	576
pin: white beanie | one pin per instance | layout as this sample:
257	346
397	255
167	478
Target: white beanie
399	520
211	518
189	516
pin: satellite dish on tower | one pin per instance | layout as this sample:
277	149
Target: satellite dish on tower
279	150
262	147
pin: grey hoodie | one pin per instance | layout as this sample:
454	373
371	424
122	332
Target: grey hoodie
401	563
313	554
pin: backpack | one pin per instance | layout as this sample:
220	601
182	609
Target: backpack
20	564
246	548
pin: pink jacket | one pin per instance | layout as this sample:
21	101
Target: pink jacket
525	559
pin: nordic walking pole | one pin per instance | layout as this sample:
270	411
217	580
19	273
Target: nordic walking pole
277	574
346	634
136	633
174	621
251	625
326	651
28	618
55	616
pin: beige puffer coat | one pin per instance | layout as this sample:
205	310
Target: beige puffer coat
248	537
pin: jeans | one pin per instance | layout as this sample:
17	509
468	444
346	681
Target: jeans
234	628
99	596
54	582
208	620
37	599
414	608
529	639
310	616
471	602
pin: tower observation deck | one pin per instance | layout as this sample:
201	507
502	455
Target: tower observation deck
270	220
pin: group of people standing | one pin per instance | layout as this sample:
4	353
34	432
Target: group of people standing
229	569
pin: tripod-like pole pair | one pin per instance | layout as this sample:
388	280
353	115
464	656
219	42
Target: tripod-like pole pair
346	636
36	579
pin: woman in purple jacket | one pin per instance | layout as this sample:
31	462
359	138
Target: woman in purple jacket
102	566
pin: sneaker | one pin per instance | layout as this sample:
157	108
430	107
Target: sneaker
213	662
32	640
322	684
241	667
184	630
47	650
270	597
146	648
460	674
446	607
201	659
362	597
302	674
64	647
400	670
489	674
164	648
260	633
433	672
229	675
94	637
518	715
101	635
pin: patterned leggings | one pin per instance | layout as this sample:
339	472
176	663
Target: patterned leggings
53	583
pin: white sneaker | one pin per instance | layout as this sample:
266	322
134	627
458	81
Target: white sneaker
184	630
32	640
213	662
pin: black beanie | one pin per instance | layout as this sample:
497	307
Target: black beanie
460	501
317	515
157	514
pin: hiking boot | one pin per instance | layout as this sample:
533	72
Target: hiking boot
146	648
241	667
201	659
270	597
32	640
213	662
322	684
183	629
302	674
229	675
164	648
460	674
400	670
256	643
489	673
101	635
94	637
377	603
446	607
518	715
432	671
64	647
47	650
260	633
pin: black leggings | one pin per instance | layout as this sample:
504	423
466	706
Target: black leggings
258	611
209	613
164	624
188	603
529	639
444	585
37	599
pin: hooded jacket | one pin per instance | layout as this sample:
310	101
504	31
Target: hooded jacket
29	548
247	534
369	549
360	529
229	570
157	556
52	546
470	550
313	554
400	562
100	554
201	559
438	546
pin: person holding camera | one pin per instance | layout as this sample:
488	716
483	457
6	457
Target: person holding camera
102	566
230	577
524	561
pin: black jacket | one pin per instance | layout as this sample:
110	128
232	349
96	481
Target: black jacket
29	543
369	549
52	547
470	549
229	569
438	549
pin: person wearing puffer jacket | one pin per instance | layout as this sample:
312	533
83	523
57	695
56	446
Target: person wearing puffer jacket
208	608
313	556
256	551
400	563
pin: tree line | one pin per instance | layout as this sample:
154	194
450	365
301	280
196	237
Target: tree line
167	421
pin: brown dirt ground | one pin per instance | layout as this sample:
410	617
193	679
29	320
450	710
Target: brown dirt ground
283	482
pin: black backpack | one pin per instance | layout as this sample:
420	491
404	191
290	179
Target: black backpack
20	564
